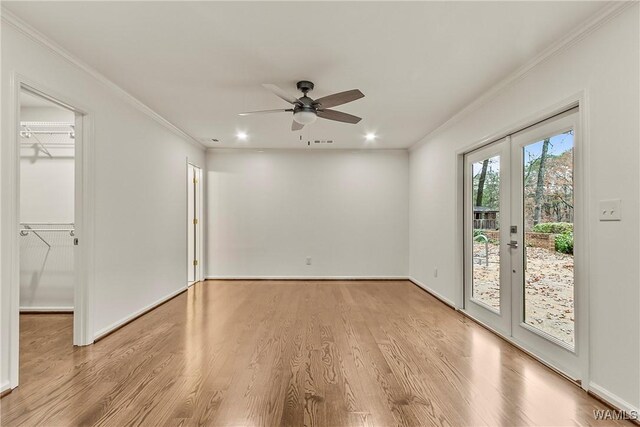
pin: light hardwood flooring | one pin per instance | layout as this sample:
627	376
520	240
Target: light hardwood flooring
289	353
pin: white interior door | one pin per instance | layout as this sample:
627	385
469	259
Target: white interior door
194	223
518	239
191	224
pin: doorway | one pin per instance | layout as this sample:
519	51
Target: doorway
519	211
49	213
194	226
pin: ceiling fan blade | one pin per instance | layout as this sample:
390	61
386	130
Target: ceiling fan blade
296	126
338	116
249	113
339	98
280	93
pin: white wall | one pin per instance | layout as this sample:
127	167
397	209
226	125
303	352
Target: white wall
140	189
268	211
606	65
47	196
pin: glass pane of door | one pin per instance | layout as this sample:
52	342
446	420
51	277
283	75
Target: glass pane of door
548	236
485	200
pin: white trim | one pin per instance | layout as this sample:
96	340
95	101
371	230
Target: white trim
46	309
115	325
85	230
611	398
5	386
304	149
35	35
582	274
439	296
307	278
602	16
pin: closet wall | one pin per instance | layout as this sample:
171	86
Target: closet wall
46	203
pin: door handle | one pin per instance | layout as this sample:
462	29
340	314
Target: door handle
513	244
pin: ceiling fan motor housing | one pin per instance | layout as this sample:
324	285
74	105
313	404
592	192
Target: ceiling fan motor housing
304	86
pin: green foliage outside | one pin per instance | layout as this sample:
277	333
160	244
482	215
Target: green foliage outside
563	231
476	234
553	227
564	243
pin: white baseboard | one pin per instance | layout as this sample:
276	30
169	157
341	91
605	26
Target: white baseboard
434	293
104	331
5	386
611	398
306	278
46	309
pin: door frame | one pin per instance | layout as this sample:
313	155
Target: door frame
199	276
84	218
583	203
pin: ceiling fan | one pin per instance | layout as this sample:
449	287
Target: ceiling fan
306	110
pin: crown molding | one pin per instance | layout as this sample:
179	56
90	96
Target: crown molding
11	19
304	149
593	23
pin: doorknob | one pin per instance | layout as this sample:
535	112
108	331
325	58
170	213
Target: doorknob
513	244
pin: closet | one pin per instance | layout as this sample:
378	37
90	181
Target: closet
47	169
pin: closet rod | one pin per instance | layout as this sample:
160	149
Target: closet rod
47	229
26	231
46	132
37	235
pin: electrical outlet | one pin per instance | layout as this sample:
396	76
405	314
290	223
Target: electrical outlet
308	261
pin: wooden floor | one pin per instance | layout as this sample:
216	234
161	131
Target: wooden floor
289	353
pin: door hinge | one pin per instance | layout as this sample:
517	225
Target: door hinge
195	262
195	181
76	241
195	221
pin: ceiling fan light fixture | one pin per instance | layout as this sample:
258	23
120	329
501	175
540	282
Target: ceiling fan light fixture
305	117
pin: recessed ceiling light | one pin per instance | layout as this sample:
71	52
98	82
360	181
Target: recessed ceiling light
370	136
242	136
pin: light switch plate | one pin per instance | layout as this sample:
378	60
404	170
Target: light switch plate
609	210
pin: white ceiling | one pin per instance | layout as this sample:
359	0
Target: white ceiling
200	63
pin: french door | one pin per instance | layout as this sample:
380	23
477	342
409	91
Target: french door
519	260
